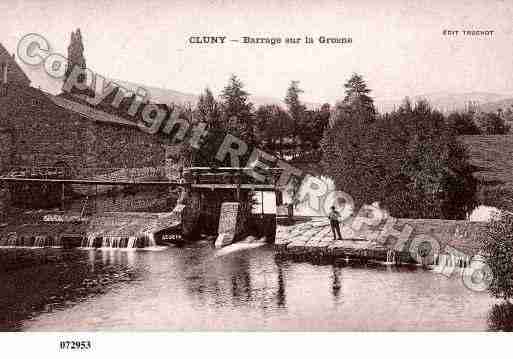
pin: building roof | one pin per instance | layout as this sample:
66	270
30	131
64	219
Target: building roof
15	73
89	112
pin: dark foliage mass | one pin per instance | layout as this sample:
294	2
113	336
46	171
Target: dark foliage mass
409	160
478	123
497	248
500	317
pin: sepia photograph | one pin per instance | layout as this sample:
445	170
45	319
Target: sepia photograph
255	166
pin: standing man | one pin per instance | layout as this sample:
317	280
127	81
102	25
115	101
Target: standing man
334	218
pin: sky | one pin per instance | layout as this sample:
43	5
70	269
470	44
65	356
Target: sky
398	45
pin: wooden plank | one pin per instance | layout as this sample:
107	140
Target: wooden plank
256	187
91	182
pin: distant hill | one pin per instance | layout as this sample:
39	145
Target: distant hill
448	102
492	159
158	95
495	106
443	101
161	95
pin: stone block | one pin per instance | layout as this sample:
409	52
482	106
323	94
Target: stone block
232	224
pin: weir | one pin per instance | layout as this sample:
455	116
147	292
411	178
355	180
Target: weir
213	201
311	239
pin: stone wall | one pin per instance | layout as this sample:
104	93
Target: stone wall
5	157
44	134
191	214
145	199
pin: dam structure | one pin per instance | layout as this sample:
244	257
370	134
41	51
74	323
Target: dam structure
212	201
77	175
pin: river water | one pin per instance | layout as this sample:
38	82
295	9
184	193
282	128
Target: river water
240	288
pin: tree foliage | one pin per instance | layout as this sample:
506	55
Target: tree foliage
237	110
409	160
209	110
491	124
295	107
463	123
273	126
497	247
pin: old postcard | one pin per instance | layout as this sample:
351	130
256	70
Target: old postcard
272	165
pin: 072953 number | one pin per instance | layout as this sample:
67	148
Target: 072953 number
75	345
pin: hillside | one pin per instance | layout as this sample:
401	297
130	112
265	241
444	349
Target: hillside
495	106
492	157
447	102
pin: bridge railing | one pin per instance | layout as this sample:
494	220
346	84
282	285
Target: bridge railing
89	173
230	175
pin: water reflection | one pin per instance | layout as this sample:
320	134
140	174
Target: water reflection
60	284
336	286
196	288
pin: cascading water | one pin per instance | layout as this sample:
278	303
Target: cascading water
451	261
11	241
390	257
88	241
39	241
92	240
132	241
28	241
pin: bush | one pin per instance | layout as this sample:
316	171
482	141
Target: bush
497	248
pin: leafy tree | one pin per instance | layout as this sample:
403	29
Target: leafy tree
273	126
409	160
237	110
347	144
463	123
357	94
295	107
208	110
313	126
491	124
497	248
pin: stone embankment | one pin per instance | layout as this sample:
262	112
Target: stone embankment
311	239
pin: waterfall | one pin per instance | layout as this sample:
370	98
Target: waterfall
117	241
11	241
88	240
132	241
390	257
39	241
451	260
151	240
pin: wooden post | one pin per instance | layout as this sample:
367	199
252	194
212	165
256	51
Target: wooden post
238	180
262	200
62	197
279	197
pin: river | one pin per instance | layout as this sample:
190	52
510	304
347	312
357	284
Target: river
197	287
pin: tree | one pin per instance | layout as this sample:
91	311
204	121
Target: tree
463	123
237	110
75	52
409	160
491	124
295	107
347	144
497	248
313	126
357	94
208	110
273	125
